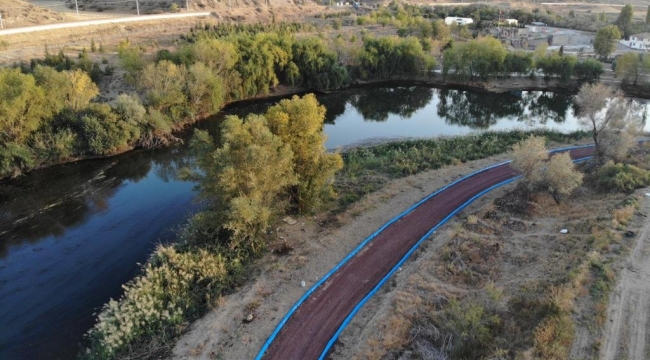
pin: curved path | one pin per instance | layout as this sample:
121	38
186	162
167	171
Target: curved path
306	333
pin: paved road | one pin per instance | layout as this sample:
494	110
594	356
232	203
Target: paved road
100	22
307	332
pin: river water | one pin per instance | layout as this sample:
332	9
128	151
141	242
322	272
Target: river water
71	235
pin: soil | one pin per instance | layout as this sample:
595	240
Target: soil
627	329
277	285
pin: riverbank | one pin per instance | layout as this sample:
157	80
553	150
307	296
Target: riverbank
495	86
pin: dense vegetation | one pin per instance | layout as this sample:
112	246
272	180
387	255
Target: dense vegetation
263	164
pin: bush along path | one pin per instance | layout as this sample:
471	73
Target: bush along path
311	327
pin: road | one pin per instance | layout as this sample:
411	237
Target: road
307	332
628	317
29	29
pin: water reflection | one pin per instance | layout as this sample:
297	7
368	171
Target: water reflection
377	104
71	235
478	110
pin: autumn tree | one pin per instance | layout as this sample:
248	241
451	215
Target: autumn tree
299	123
606	115
22	107
80	91
561	176
247	174
528	157
605	41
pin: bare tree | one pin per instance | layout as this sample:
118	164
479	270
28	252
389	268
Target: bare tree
606	114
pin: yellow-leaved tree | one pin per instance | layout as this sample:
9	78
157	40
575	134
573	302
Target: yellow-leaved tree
81	90
299	123
252	169
528	156
561	176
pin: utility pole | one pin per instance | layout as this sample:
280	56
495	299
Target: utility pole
187	4
77	6
137	6
1	24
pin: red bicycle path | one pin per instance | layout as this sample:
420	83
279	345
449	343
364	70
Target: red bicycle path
307	332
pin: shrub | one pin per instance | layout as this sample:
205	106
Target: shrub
561	175
622	177
172	285
554	337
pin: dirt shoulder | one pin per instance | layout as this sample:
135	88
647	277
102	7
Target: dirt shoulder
627	330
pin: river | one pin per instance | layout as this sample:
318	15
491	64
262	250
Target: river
72	234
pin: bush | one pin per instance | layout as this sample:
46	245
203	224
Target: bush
622	177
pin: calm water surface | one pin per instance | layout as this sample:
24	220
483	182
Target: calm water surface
71	235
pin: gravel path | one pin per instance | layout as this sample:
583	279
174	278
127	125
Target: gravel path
308	330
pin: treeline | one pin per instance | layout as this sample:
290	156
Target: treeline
213	66
263	165
485	58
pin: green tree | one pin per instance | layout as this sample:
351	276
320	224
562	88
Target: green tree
164	84
632	66
624	20
605	41
131	59
205	90
388	56
478	58
647	16
299	123
55	84
589	70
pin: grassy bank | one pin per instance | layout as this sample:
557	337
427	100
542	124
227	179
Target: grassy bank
368	168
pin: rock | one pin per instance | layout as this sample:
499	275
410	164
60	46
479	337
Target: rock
629	233
248	318
302	283
289	220
564	231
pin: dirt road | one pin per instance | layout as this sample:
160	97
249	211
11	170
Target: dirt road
29	29
307	332
627	328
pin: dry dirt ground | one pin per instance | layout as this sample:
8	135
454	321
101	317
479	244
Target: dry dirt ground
531	258
627	331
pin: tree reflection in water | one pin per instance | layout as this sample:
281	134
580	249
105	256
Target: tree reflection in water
483	110
377	104
46	202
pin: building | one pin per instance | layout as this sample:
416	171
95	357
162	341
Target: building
511	22
458	20
638	41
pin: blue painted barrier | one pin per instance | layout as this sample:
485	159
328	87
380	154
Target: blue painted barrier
372	236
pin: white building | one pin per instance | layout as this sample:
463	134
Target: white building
511	21
458	20
638	41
